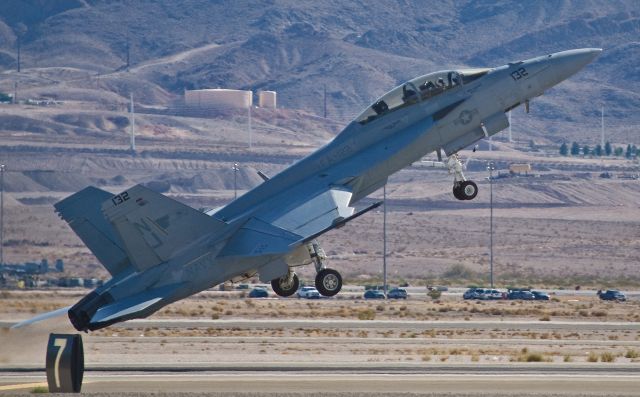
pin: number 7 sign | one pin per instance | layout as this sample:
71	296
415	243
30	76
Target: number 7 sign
65	363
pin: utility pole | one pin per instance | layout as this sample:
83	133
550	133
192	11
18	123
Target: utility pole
235	180
15	92
249	110
491	167
510	136
132	138
384	238
325	101
602	127
1	214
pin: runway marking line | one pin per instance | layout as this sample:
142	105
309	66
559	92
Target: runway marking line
21	386
28	385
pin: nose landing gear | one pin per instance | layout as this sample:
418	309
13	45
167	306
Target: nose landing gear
463	189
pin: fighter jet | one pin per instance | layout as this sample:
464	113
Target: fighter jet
159	250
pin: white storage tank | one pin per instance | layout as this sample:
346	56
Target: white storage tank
267	99
218	98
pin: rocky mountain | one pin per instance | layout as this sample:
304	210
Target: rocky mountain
355	50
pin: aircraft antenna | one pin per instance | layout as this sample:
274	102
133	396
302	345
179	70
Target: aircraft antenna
132	121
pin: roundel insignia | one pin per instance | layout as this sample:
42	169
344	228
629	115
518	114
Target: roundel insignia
465	116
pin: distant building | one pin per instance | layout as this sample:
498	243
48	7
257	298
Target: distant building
59	265
218	98
520	169
267	99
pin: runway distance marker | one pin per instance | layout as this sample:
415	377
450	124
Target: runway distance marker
65	363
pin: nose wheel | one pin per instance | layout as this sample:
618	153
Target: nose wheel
328	282
463	189
466	190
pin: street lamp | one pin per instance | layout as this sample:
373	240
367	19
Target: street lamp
235	180
1	213
384	238
491	167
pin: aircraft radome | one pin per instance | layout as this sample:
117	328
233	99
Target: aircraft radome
158	250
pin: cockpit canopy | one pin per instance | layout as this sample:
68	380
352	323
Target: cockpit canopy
420	89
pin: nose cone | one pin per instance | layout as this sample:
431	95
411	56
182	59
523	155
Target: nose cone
574	60
562	65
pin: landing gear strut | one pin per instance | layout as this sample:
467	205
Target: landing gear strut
286	285
328	281
463	189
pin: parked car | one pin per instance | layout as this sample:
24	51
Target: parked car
373	294
520	294
612	295
493	294
258	293
308	293
475	293
397	293
540	295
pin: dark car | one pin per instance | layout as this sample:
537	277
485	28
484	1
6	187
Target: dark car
397	293
612	295
373	294
540	295
522	295
258	293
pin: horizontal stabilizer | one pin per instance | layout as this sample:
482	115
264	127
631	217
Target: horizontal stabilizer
82	211
136	306
154	227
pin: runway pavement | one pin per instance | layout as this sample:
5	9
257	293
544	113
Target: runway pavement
350	380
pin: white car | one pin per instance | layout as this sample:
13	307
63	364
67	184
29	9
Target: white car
308	293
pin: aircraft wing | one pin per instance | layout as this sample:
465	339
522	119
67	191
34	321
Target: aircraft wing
308	217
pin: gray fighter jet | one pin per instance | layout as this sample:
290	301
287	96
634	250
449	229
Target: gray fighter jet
159	250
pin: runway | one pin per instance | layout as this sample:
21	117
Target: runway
339	380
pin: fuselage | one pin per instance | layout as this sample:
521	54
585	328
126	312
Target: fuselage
445	110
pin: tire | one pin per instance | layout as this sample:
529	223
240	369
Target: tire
328	282
281	289
457	192
468	190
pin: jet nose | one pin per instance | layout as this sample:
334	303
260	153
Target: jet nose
562	65
574	60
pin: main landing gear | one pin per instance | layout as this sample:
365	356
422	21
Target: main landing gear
328	281
463	189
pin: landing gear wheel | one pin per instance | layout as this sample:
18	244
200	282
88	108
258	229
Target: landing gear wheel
328	282
468	190
457	192
284	286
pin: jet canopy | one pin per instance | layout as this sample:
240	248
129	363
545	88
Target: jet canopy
420	89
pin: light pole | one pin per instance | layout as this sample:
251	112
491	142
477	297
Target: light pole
491	167
384	238
235	180
1	213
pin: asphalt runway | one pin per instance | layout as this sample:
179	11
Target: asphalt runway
366	380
